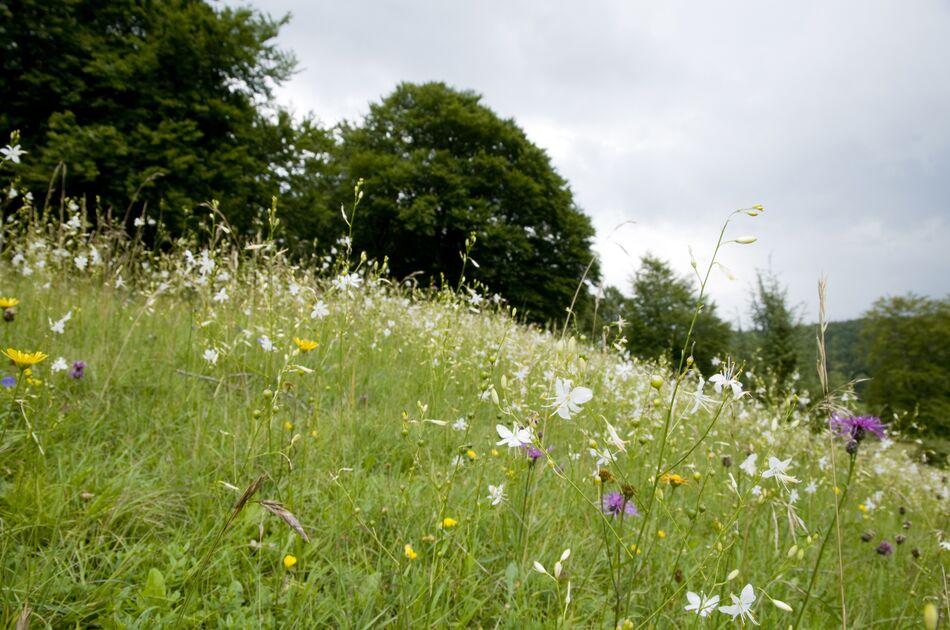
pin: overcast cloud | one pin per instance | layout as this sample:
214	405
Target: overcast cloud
834	116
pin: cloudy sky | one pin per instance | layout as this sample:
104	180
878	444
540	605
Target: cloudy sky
833	115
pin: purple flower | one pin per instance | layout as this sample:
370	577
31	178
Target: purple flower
853	429
78	370
885	548
7	382
615	504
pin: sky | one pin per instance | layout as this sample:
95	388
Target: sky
664	117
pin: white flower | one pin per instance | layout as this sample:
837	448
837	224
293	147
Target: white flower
221	296
700	400
59	365
604	458
496	493
726	380
74	222
81	262
749	465
266	344
319	311
59	326
812	487
614	438
945	545
568	400
522	373
777	469
347	281
12	153
460	425
138	222
793	497
293	288
742	605
700	604
514	437
211	356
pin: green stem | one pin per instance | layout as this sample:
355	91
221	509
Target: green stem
824	543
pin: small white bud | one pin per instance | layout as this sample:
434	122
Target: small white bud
540	567
565	555
746	240
782	605
732	575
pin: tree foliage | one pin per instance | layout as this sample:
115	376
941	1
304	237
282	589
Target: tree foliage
438	166
164	101
775	330
907	341
660	313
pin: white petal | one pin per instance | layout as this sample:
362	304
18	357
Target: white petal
581	395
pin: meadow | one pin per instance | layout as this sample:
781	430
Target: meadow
218	436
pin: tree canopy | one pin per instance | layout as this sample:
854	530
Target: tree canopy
659	316
439	166
168	102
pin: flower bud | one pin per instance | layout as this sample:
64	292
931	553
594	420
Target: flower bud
930	616
746	240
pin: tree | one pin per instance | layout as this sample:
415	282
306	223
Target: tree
907	341
163	96
660	312
438	165
775	327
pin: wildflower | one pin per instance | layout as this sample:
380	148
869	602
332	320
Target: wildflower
777	468
220	296
7	302
319	311
673	479
615	504
12	153
78	370
700	604
945	545
59	326
514	437
410	552
23	360
59	365
266	344
567	399
726	379
460	425
885	548
7	382
534	453
741	606
305	345
471	454
855	428
496	493
448	522
614	438
748	466
211	356
289	561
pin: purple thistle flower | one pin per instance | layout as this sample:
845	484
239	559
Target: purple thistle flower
78	370
885	548
615	504
853	429
534	453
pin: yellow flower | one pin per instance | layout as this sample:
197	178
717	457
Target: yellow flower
305	345
863	508
410	552
660	533
288	425
289	561
23	360
674	479
7	302
448	522
472	455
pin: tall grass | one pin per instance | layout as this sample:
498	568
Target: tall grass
162	488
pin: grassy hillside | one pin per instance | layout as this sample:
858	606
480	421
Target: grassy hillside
208	470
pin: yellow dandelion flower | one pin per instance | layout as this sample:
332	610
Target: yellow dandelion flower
660	533
8	302
23	360
288	425
410	552
633	547
674	479
472	455
863	508
448	522
289	561
305	345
